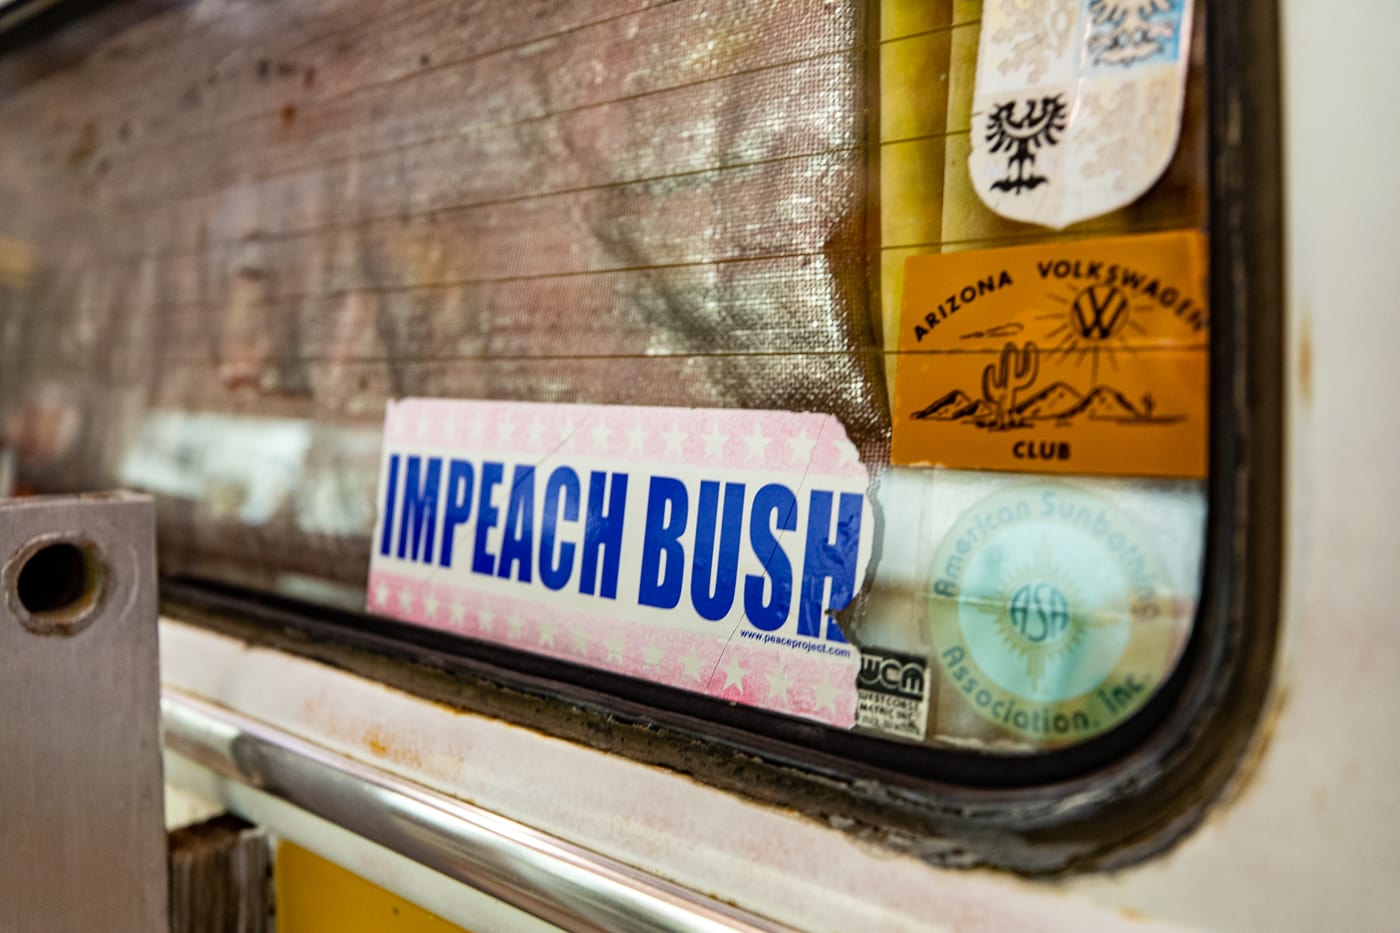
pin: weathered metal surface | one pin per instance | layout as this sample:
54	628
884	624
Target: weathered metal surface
220	878
547	877
80	768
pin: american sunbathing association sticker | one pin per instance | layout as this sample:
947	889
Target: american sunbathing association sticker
1051	614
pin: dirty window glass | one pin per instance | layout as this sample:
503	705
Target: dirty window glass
844	360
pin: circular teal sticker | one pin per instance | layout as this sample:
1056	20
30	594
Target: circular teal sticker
1051	613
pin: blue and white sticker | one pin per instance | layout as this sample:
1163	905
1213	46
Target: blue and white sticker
704	549
1078	104
1051	613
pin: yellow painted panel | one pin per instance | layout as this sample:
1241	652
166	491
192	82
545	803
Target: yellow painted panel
317	896
967	11
914	86
962	75
911	187
907	17
891	305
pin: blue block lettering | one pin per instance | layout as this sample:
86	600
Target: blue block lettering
826	559
663	558
386	534
774	509
561	502
483	561
602	531
715	603
459	505
518	547
420	501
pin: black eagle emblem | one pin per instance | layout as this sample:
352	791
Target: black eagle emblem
1039	125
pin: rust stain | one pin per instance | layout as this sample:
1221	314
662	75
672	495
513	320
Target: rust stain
320	714
1305	359
1253	758
383	744
85	147
17	262
43	432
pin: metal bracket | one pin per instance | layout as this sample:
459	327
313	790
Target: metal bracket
81	798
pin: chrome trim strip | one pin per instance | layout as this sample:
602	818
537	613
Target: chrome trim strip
559	882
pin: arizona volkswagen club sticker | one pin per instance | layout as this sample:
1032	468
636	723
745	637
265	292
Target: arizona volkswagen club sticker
1051	615
1087	358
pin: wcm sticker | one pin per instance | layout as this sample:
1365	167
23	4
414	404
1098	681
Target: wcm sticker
892	693
1051	613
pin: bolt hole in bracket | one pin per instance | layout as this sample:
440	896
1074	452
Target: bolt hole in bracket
80	774
55	585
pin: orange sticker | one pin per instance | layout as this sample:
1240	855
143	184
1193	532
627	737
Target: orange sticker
1086	357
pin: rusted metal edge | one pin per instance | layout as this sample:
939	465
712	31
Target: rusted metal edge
220	878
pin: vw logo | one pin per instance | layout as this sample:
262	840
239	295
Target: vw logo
1099	311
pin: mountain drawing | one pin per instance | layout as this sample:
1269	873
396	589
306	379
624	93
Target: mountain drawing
1053	401
955	406
1004	408
1057	402
1105	404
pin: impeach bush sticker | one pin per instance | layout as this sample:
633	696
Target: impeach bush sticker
704	549
1087	357
1051	615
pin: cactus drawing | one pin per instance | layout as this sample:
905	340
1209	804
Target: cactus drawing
1016	370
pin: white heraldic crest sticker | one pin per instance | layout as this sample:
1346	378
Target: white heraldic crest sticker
1078	104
